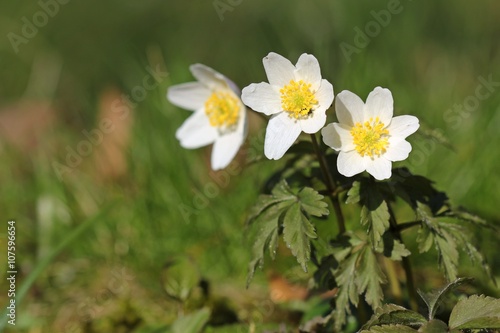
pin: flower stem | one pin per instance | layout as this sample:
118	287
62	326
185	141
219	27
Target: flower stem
410	284
330	184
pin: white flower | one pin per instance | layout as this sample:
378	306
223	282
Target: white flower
296	98
219	115
368	137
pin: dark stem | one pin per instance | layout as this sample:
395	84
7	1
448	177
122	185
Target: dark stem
330	185
410	284
402	226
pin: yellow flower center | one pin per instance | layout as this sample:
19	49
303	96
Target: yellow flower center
222	109
297	99
370	138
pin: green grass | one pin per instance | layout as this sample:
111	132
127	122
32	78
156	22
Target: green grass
430	56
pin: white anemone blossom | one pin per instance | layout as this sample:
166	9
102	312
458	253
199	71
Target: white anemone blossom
219	115
367	136
296	98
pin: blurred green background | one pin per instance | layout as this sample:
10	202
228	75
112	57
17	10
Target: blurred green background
141	200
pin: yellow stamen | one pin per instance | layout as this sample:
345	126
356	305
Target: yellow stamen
222	109
370	138
297	99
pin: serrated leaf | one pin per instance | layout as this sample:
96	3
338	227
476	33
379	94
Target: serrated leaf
344	244
283	191
392	314
369	277
266	236
417	189
465	242
375	215
273	243
425	238
353	195
434	299
312	202
476	312
425	214
448	254
392	248
192	323
434	326
390	329
323	276
297	233
348	290
295	210
263	202
444	242
463	215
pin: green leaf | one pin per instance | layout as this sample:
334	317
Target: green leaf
323	276
417	189
433	299
392	248
448	254
312	202
297	233
266	236
446	245
357	272
463	215
348	290
283	205
434	326
425	238
390	329
369	276
280	193
192	323
425	214
374	212
282	190
412	188
464	239
392	314
353	195
476	312
263	202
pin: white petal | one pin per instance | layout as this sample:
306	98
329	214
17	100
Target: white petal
324	95
190	96
281	133
338	137
318	119
209	77
196	131
279	70
380	104
401	127
398	151
261	97
380	168
314	123
350	163
308	70
225	149
349	108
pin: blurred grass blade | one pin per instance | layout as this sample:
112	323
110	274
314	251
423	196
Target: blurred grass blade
42	264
